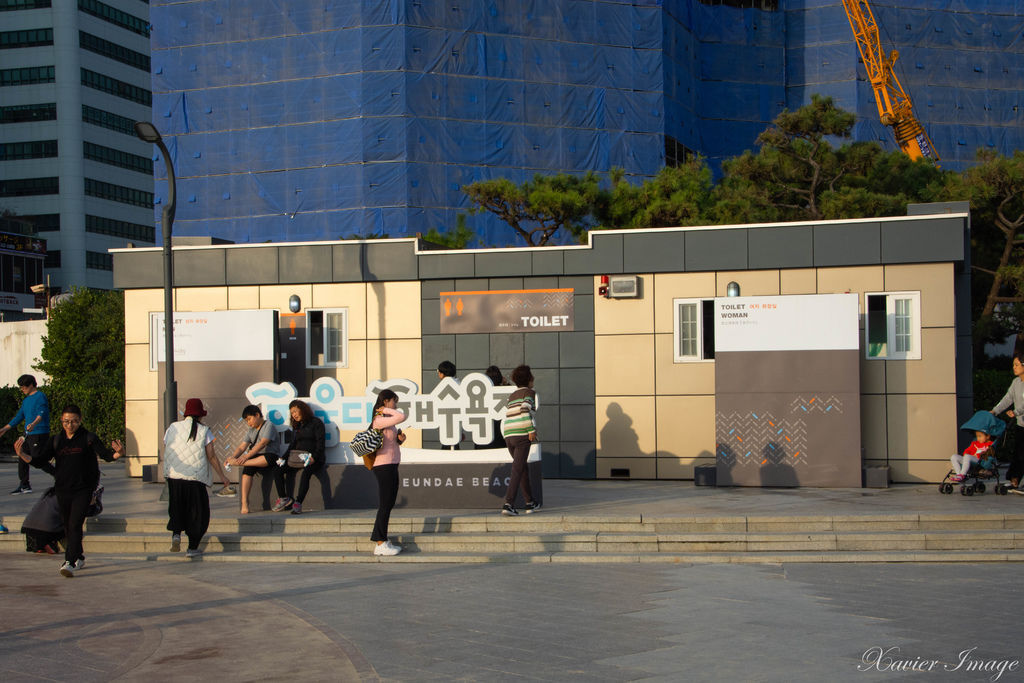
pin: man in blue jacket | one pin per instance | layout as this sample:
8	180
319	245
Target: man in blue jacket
35	412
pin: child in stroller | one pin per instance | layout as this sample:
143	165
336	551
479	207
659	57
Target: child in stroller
978	462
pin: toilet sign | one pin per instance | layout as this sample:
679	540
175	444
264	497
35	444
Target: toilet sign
510	310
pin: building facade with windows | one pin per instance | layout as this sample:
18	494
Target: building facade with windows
629	389
22	254
74	77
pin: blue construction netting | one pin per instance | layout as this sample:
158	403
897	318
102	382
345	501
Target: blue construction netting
327	119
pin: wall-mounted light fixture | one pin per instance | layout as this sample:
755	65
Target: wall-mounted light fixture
294	303
603	289
732	289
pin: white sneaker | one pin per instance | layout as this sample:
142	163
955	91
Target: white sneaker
396	546
67	569
80	564
387	549
175	543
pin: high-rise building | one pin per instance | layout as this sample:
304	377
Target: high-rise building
74	77
335	118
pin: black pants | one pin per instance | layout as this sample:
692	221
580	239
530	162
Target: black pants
307	474
519	447
188	507
387	491
73	505
33	442
273	471
1016	470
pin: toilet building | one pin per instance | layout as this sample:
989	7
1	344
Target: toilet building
619	332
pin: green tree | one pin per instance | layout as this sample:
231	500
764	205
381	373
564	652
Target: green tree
678	195
539	209
83	354
458	238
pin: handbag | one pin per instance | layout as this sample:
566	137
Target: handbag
96	503
366	443
299	459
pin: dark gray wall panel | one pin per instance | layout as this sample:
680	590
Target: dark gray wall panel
508	351
199	268
853	244
605	256
583	312
139	270
471	285
576	349
431	289
501	265
581	285
716	249
576	460
545	383
305	264
430	316
500	283
782	247
541	282
253	266
577	423
548	427
931	208
383	262
660	252
547	262
447	265
542	349
348	262
436	348
471	351
913	241
577	386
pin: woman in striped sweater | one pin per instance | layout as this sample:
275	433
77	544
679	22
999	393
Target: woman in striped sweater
520	430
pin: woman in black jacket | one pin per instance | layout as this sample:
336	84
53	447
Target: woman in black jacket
307	437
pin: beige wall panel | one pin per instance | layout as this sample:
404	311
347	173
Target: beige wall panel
934	281
680	378
353	378
201	299
751	282
686	427
344	295
275	297
244	298
921	426
668	286
394	359
139	382
680	468
873	432
856	279
639	468
933	374
142	438
872	374
393	310
798	281
625	426
920	472
625	316
624	365
138	303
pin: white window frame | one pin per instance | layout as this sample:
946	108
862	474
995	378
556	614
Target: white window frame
677	307
342	362
889	352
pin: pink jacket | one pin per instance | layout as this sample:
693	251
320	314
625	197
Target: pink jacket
390	452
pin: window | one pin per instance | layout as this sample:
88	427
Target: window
99	261
132	93
26	187
28	112
27	75
52	259
116	157
110	226
8	5
118	193
120	53
44	222
98	117
38	149
694	330
114	16
892	325
327	335
27	38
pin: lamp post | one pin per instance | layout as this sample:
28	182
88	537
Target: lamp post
147	132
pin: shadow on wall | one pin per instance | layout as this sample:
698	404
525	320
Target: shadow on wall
775	471
618	438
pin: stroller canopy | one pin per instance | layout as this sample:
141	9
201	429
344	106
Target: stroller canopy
984	421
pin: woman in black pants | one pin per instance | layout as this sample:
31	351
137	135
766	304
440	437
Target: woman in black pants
385	468
307	437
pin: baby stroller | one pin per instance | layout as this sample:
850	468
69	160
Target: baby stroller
987	469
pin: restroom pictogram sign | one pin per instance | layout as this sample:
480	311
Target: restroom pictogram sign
508	310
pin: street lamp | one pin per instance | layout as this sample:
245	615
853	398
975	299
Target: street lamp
147	132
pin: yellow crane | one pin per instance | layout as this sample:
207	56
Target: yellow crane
894	107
